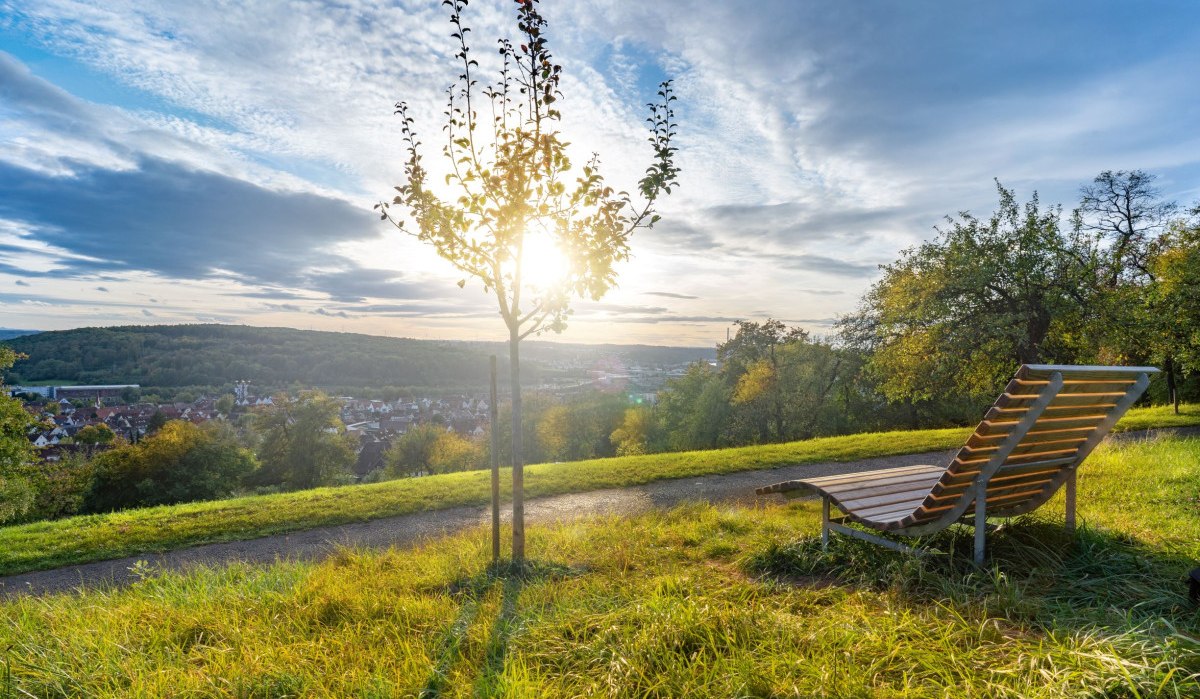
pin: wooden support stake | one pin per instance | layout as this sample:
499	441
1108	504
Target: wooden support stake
980	519
493	413
825	522
1071	500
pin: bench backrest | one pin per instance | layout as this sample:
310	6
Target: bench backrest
1047	421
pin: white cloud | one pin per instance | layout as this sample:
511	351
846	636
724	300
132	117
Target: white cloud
816	140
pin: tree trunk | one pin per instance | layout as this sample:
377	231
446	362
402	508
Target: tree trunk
777	403
1172	390
518	463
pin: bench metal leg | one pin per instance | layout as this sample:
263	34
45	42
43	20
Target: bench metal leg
980	520
825	522
1071	501
865	536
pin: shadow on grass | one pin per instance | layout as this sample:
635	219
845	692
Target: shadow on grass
1036	572
511	580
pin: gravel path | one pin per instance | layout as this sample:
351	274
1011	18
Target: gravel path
408	530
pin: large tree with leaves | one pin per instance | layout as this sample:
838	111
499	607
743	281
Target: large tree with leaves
510	181
1130	219
958	313
302	442
1171	314
17	491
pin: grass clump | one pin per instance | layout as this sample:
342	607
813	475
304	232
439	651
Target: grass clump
698	601
51	544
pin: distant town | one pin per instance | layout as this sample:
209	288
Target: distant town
65	411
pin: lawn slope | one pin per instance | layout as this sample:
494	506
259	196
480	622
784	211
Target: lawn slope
699	601
44	545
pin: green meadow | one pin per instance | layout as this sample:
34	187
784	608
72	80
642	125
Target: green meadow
698	601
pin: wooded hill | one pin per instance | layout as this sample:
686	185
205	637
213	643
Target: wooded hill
217	355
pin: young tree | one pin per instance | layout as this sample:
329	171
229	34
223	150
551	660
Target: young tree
408	455
638	432
511	172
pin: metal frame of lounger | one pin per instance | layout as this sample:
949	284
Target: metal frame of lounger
1070	405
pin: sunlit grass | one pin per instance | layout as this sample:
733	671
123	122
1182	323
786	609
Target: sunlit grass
82	539
699	601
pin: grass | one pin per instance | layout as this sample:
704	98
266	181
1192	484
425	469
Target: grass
699	601
43	545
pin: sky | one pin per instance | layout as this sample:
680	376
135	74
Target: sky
185	162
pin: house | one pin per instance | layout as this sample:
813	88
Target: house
370	457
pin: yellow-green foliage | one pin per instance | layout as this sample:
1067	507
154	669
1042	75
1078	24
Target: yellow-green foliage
43	545
700	601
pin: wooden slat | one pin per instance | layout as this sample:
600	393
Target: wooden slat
1063	423
993	428
1040	456
1060	402
1088	387
998	413
1038	475
922	480
1042	437
975	460
1062	395
967	476
1040	433
884	513
996	427
957	488
1026	446
1011	499
833	484
861	476
911	498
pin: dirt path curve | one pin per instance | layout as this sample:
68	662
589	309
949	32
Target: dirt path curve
407	530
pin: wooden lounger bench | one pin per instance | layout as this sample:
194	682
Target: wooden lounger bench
1029	444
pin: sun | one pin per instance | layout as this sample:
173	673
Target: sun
544	264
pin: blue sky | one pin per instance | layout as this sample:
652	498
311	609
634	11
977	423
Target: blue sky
217	162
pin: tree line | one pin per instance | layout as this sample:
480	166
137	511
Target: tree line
1114	281
296	443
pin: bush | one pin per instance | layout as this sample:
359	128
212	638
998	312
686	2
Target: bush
428	449
179	463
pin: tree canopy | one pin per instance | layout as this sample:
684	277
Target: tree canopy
303	443
959	312
180	463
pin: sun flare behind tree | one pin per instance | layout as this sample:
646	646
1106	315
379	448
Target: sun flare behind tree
532	231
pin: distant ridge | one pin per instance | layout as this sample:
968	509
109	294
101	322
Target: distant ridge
218	355
10	333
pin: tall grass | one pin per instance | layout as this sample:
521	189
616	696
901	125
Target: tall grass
699	601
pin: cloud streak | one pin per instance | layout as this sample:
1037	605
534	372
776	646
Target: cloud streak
237	150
